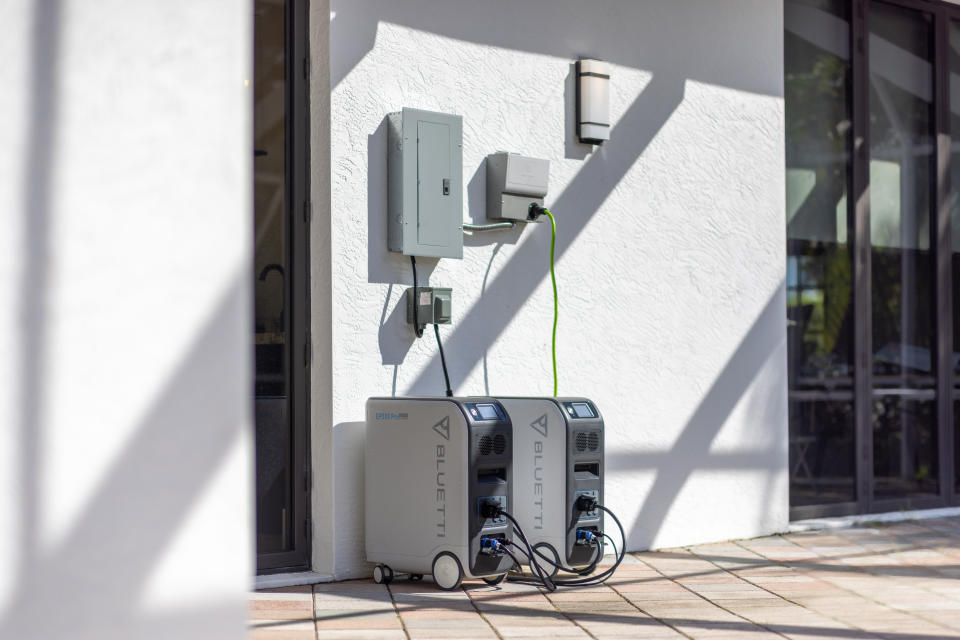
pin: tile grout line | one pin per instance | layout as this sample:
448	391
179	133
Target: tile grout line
313	611
803	571
777	595
705	599
899	548
862	570
396	609
647	613
565	615
480	613
542	592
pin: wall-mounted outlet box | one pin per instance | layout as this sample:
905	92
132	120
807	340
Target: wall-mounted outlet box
435	305
425	184
513	182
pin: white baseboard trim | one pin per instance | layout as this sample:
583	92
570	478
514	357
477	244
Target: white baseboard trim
841	522
275	580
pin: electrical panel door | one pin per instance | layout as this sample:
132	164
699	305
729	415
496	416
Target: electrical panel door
425	184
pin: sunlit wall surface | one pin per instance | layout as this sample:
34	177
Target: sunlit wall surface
670	259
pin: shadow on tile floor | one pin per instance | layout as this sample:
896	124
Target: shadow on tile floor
896	582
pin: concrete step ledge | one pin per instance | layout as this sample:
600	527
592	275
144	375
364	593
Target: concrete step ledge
842	522
293	579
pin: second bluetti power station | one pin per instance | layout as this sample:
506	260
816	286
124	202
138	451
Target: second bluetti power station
558	461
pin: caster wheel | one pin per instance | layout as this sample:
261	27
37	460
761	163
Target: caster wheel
416	577
382	574
552	562
495	580
447	572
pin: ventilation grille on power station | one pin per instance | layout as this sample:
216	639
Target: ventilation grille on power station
492	445
587	441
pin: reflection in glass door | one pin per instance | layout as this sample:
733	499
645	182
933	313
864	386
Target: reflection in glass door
902	162
954	200
281	484
270	338
819	261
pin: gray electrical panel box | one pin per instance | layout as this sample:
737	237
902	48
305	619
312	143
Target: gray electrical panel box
513	182
425	184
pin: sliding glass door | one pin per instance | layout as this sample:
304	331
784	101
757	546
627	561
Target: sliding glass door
873	254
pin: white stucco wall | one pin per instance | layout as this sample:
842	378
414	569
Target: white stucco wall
670	251
125	436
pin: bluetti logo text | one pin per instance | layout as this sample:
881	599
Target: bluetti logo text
540	426
389	415
443	429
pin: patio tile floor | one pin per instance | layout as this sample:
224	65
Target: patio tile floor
891	582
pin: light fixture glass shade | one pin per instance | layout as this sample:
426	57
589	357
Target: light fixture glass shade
593	101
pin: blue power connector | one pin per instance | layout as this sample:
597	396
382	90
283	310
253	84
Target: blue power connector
585	536
490	545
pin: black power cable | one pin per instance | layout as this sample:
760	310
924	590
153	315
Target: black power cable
418	329
583	581
577	572
604	576
416	300
512	557
443	359
543	576
509	543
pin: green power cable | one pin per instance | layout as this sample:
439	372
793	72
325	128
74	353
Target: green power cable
556	306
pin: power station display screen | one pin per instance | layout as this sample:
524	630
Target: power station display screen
487	412
582	410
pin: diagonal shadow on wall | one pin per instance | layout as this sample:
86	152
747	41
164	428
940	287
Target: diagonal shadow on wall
578	203
691	451
34	284
180	445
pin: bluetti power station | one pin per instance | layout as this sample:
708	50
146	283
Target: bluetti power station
433	465
557	461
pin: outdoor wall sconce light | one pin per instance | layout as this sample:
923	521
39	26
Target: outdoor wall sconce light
593	101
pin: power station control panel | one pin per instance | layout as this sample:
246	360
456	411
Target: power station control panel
484	411
580	410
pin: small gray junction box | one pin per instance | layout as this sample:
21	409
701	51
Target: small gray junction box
513	182
425	184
